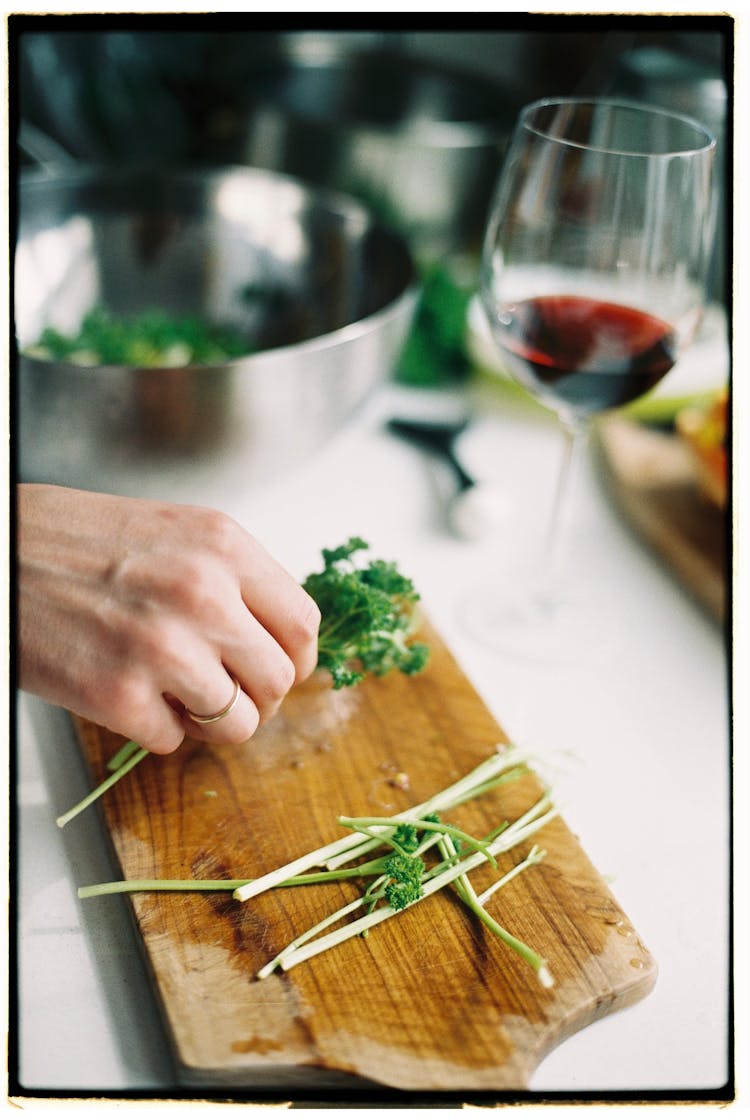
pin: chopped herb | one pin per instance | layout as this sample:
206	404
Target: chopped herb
401	877
148	340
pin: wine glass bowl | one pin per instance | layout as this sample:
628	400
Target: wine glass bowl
594	262
593	272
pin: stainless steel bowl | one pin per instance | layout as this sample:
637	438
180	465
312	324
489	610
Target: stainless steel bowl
327	292
421	142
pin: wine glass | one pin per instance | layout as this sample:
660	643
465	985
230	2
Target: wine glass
592	280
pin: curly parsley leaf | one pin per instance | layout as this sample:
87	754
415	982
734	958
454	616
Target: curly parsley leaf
367	616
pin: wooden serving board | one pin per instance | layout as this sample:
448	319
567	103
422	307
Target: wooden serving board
430	1000
654	480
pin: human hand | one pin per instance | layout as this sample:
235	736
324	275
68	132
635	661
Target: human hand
133	613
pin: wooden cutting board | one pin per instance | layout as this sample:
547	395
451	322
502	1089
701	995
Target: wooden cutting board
430	1000
654	480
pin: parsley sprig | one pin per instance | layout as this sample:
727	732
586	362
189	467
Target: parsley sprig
367	616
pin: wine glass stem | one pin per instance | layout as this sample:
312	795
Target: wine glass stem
555	550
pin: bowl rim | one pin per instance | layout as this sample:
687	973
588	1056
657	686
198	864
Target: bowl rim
337	202
331	340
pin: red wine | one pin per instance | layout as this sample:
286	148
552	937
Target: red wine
586	354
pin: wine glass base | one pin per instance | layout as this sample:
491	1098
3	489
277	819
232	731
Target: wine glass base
524	623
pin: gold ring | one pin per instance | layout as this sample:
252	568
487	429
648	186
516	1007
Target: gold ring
224	711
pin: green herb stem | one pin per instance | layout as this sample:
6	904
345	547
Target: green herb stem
120	757
311	933
394	886
475	903
534	819
535	856
346	846
134	886
126	767
123	886
366	824
527	954
492	771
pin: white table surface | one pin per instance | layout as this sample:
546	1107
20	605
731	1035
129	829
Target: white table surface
635	743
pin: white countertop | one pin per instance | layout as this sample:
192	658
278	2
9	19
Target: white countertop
636	744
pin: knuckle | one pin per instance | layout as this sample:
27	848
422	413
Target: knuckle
303	642
307	622
129	698
193	584
271	686
280	680
217	533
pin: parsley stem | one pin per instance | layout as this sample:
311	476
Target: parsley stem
309	934
535	856
119	757
103	787
492	771
365	825
475	903
347	845
533	819
377	898
123	886
132	886
526	953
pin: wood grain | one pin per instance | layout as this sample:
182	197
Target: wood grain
430	1000
654	480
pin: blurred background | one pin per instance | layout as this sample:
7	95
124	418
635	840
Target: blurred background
412	125
412	122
